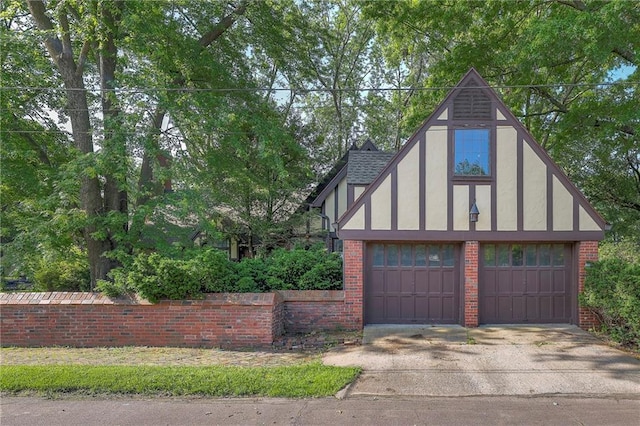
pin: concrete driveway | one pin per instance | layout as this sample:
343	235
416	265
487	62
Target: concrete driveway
497	360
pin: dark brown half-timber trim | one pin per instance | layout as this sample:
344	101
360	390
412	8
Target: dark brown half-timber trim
350	194
450	154
333	184
386	235
472	199
520	181
394	198
367	212
576	215
422	185
549	199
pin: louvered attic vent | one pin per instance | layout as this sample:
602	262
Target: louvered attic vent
471	103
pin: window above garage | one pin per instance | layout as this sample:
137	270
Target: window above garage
471	152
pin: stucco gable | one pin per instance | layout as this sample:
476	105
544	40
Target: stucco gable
520	192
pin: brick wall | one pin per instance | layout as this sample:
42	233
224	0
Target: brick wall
587	252
314	310
89	319
220	320
471	284
354	282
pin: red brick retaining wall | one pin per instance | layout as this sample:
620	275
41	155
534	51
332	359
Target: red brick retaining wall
313	310
89	319
220	320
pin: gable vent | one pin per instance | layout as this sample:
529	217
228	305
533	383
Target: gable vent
471	103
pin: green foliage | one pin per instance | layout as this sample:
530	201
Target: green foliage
156	277
252	274
612	290
305	270
68	274
213	271
297	381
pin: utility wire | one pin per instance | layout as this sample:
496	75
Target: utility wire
306	90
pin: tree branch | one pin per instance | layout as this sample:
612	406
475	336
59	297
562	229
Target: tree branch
559	105
625	54
83	57
223	25
53	44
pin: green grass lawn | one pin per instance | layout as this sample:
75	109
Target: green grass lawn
306	380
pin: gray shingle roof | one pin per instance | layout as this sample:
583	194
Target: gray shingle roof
364	166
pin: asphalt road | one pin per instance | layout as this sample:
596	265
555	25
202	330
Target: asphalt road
548	410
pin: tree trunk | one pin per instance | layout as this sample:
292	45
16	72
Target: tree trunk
61	52
114	144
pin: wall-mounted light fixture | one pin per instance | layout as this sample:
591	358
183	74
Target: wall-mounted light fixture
474	213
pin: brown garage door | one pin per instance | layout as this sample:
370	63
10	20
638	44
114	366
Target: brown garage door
411	284
525	283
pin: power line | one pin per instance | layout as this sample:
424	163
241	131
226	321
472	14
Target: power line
307	90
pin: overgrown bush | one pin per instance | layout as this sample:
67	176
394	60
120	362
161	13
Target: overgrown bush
312	269
212	270
62	275
156	277
251	275
612	291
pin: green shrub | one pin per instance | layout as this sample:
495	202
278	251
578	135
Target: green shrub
155	277
324	275
251	275
117	286
213	271
612	290
62	275
304	270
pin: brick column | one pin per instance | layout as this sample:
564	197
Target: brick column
587	252
471	283
354	281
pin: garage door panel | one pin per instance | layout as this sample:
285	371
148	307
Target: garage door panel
504	282
435	283
411	283
407	307
489	284
559	281
505	309
421	282
546	281
406	285
518	285
392	307
421	308
377	282
449	308
435	308
536	307
448	281
532	280
393	282
538	289
559	306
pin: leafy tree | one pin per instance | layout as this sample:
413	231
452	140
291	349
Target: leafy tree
334	45
548	57
128	103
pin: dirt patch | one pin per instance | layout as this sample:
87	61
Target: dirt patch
293	349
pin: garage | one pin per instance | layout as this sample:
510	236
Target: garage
525	283
411	283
